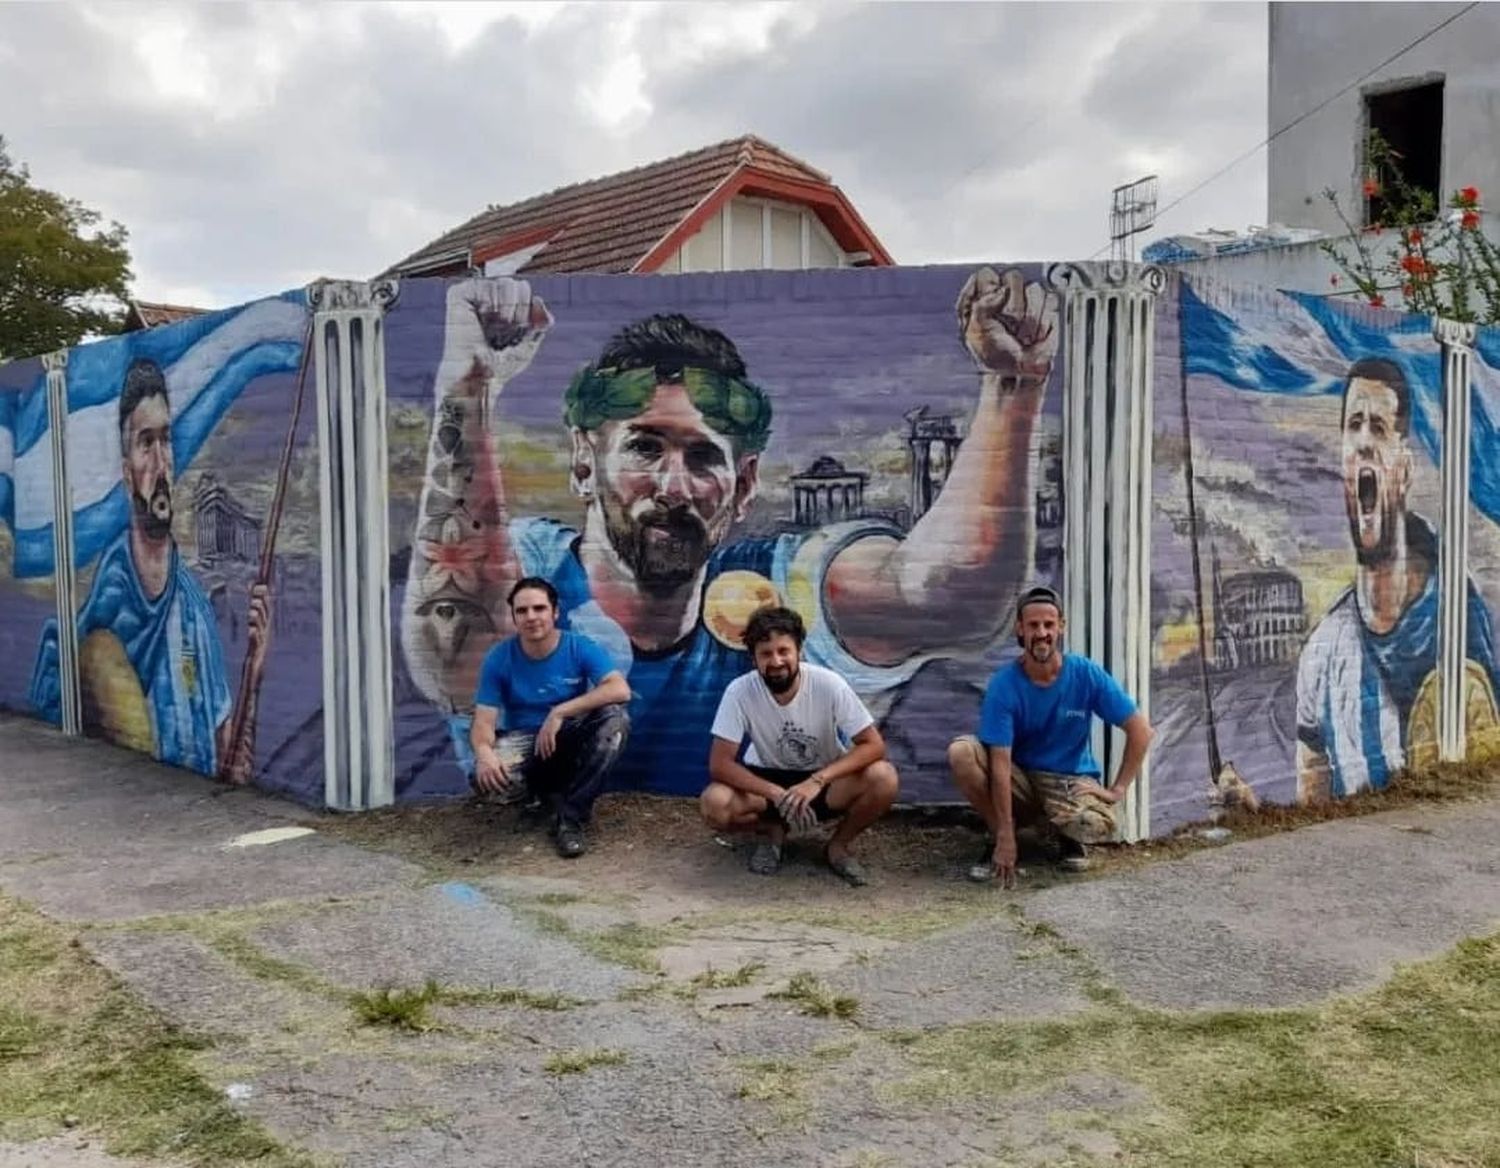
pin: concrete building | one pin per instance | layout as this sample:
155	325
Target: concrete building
1438	104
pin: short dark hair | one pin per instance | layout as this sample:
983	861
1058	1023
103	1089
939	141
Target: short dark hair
1041	594
765	623
143	380
669	343
536	582
1387	373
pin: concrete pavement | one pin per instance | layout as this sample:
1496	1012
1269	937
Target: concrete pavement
256	947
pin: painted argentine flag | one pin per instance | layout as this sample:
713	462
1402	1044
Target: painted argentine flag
1295	343
207	361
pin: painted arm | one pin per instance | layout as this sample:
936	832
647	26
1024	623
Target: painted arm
462	563
974	548
236	753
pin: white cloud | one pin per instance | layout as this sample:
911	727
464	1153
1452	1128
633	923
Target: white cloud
250	147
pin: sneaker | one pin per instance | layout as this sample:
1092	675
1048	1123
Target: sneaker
765	858
570	841
1072	855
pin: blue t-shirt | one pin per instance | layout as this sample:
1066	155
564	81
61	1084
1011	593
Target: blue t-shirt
173	644
1049	727
525	690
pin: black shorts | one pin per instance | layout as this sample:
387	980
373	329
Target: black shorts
786	779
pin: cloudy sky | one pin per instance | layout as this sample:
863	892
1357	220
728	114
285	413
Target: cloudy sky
249	148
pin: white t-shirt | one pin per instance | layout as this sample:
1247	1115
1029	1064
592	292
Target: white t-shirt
810	731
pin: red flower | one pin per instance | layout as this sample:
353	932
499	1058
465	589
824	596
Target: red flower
1377	301
1470	220
1412	264
1371	188
1468	197
1414	236
1408	289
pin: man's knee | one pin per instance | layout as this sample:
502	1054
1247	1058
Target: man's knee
881	782
717	805
606	728
964	760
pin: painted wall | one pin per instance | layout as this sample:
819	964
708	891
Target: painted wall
1311	643
175	438
28	594
877	477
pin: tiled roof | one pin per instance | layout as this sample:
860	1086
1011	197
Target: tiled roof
608	224
150	315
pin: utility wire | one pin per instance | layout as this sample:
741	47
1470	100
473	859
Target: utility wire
1300	118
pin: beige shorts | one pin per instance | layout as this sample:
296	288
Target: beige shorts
1043	796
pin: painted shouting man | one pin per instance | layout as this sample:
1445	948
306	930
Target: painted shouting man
667	429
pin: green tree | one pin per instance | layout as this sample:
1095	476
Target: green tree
62	278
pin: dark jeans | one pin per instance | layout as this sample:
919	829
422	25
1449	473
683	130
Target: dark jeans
587	747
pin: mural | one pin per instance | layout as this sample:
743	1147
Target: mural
878	448
195	521
28	594
1295	549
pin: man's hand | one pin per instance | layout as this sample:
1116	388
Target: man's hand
546	737
493	328
1009	326
258	628
1107	794
490	774
1003	860
795	806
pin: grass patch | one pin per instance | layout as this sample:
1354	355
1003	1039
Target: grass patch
812	997
549	1000
781	1085
400	1009
1406	1075
410	1009
558	899
78	1050
629	944
716	979
576	1062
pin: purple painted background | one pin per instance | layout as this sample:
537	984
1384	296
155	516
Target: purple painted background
842	354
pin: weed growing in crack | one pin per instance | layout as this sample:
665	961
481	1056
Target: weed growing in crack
576	1062
401	1009
813	998
715	979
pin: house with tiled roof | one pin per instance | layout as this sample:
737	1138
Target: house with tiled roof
144	314
739	204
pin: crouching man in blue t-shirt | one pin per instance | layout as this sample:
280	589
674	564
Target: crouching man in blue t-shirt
565	719
1032	759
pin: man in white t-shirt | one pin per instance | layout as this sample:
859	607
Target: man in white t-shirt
811	751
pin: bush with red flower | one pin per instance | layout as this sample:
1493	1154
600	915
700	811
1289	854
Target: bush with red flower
1442	264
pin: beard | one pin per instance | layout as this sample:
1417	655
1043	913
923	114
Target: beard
1041	649
1364	501
155	510
665	548
779	683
